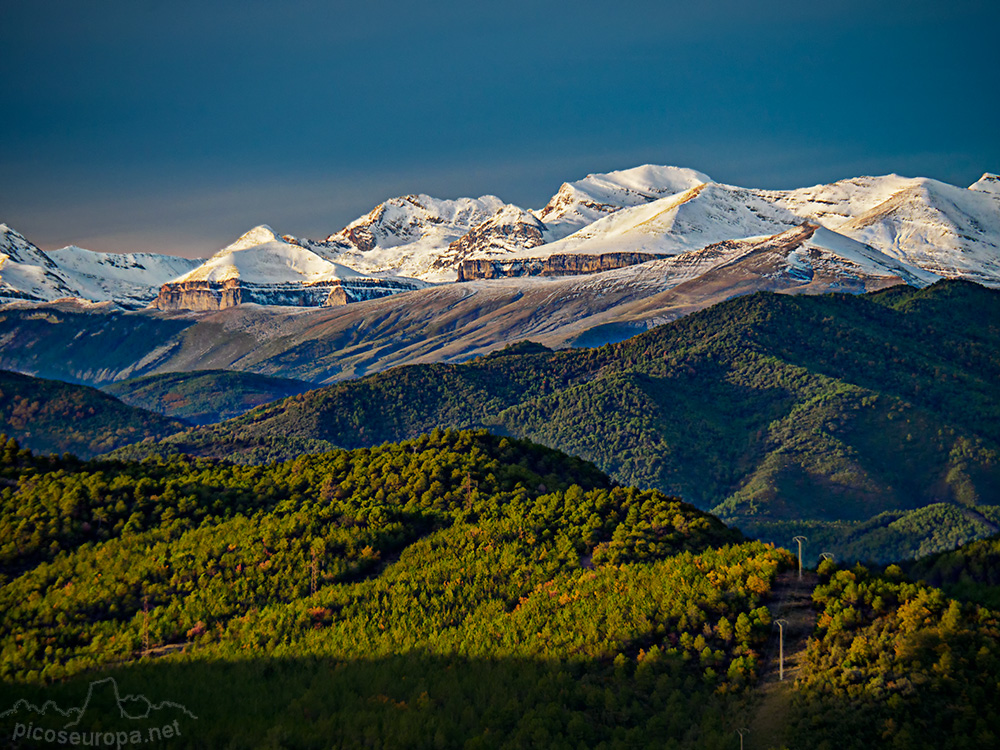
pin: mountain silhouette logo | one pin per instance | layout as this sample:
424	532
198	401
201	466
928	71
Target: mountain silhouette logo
103	711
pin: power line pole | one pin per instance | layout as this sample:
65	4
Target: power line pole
740	731
469	482
799	540
826	556
313	566
781	647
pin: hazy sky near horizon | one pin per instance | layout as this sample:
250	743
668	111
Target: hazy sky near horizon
175	126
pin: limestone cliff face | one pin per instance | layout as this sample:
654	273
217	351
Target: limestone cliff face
216	295
198	295
554	265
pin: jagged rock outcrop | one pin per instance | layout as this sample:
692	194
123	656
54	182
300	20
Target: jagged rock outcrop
204	295
358	289
554	265
511	230
404	236
199	295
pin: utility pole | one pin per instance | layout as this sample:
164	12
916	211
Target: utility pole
781	647
799	540
826	556
469	482
313	566
740	731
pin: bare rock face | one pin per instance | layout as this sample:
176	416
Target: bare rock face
554	265
510	230
358	289
216	295
361	235
404	235
198	295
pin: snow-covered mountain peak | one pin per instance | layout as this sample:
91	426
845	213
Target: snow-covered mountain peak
579	203
263	268
127	279
17	248
988	183
399	221
26	273
6	229
509	230
630	214
649	180
866	258
838	202
406	235
511	214
941	228
269	261
703	214
259	235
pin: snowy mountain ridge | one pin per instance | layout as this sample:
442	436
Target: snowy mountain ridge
604	220
26	272
988	183
404	236
699	216
262	268
131	280
260	256
662	210
579	204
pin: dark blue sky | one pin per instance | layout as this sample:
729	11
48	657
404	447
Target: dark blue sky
175	126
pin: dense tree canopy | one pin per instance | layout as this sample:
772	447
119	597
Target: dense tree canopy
898	664
457	590
623	615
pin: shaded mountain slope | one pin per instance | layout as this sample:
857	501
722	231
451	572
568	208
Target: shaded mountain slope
449	323
970	572
767	407
55	417
83	343
206	396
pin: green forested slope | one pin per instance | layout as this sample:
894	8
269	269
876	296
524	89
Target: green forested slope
971	572
768	408
458	590
897	664
56	417
205	396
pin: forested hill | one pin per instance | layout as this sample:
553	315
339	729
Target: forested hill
895	664
768	408
56	417
374	594
971	572
204	396
457	590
